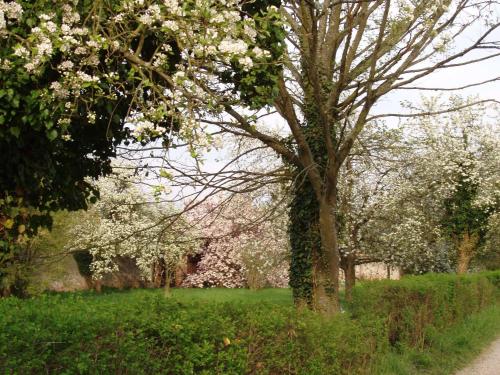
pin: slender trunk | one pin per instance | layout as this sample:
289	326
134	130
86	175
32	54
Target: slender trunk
160	274
89	282
350	276
93	284
326	264
168	280
389	272
463	263
98	286
402	272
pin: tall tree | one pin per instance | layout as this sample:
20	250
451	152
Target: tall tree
339	59
439	208
344	56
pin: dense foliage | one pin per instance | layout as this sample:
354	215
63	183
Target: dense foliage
232	332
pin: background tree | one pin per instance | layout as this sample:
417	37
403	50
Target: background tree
364	180
238	250
435	215
123	223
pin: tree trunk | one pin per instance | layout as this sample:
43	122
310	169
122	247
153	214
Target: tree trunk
159	274
168	280
350	276
97	285
466	246
93	284
326	264
303	231
314	265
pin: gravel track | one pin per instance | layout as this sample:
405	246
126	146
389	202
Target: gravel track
488	362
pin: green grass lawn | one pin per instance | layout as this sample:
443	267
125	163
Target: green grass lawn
274	296
187	295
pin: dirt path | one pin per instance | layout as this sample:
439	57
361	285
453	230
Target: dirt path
488	362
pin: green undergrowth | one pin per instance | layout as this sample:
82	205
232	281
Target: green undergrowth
391	327
449	349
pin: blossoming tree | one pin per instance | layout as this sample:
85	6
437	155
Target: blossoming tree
240	250
436	214
365	178
126	223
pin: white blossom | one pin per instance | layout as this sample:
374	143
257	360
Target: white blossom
233	47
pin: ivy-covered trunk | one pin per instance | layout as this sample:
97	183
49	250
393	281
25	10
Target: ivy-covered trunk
314	267
326	263
304	237
466	246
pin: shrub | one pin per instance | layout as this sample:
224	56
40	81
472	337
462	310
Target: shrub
142	332
416	305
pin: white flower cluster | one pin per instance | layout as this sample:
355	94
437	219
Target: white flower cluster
122	224
143	127
233	47
9	11
151	15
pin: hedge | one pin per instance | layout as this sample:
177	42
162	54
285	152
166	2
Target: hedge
146	333
417	305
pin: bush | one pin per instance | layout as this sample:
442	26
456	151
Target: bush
145	333
142	332
415	306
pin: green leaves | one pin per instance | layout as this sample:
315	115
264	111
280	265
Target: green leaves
165	174
15	131
51	134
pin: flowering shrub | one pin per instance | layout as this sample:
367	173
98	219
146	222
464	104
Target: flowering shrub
243	246
122	223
